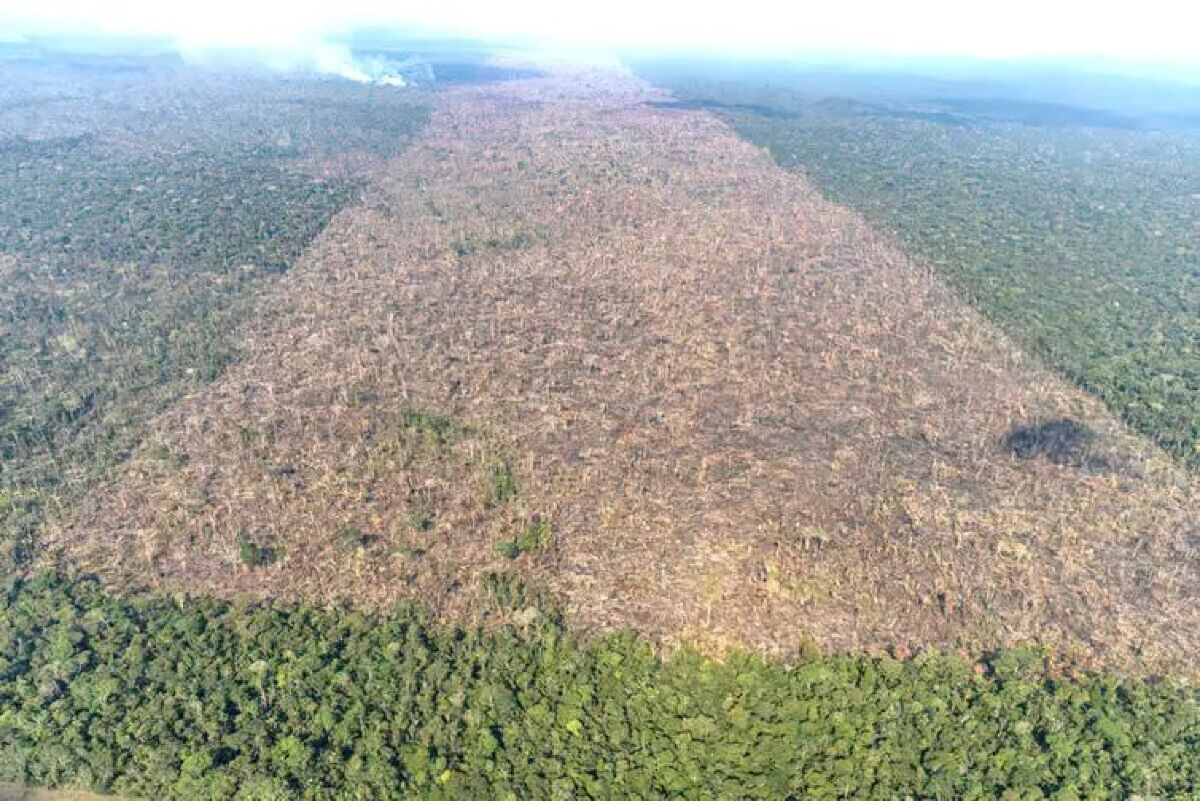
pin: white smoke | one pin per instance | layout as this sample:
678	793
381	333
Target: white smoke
337	60
308	54
300	35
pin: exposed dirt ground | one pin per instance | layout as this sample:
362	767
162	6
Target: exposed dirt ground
747	418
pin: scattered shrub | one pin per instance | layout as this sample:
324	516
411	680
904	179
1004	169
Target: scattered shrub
436	429
419	519
534	537
254	555
351	538
501	484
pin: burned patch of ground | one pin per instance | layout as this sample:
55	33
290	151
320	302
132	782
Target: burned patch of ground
1063	442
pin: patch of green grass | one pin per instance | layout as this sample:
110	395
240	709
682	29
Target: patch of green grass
1071	229
419	519
501	484
158	697
533	538
352	538
435	429
254	555
514	241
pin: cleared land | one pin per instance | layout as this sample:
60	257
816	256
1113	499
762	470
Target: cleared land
13	792
618	351
1075	229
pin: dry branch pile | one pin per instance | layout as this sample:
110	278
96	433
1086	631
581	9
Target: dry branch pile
746	418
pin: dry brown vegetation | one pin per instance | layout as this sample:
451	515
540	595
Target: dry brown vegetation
747	419
12	792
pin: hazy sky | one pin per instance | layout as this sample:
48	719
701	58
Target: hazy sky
1147	30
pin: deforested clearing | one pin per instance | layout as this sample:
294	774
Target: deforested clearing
613	348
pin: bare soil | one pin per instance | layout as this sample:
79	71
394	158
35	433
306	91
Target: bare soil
748	419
